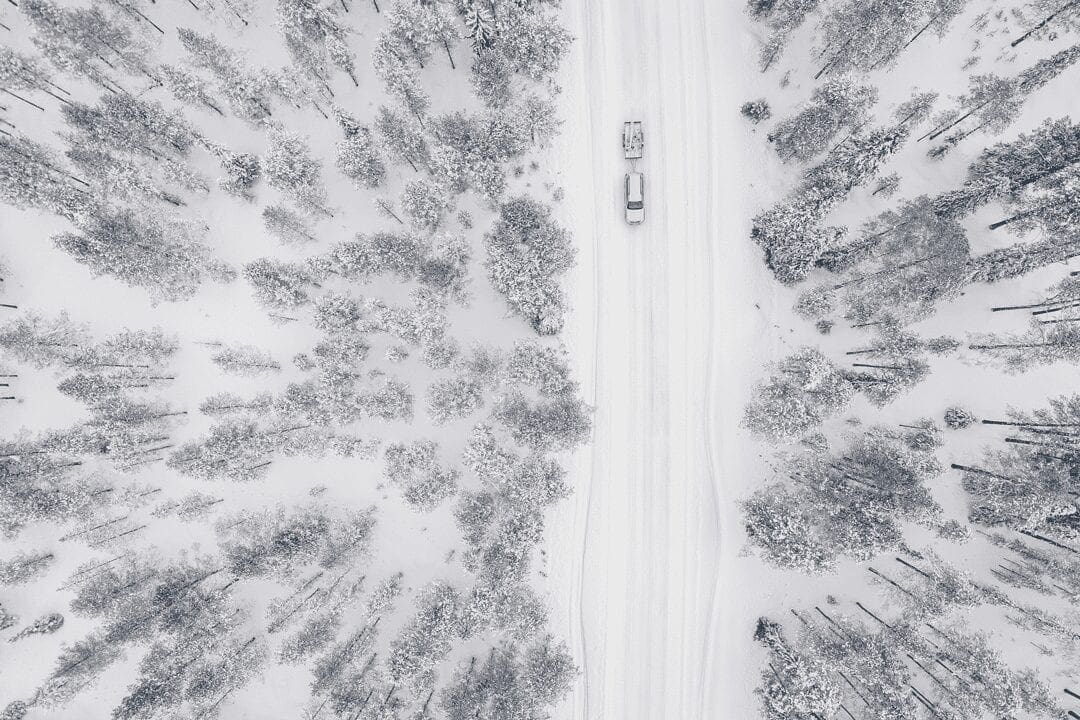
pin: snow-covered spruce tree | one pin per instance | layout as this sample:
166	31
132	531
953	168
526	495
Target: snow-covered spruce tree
242	171
894	362
247	91
805	389
427	638
245	360
316	38
32	177
834	656
958	418
44	625
238	449
286	225
42	484
290	167
531	37
1009	169
545	367
527	251
791	233
1044	343
558	423
899	267
865	36
468	151
519	682
798	683
399	254
781	18
492	78
424	203
279	285
359	159
281	543
993	102
164	256
479	24
86	41
415	468
42	341
454	398
132	149
24	566
421	27
849	504
836	105
22	74
399	77
1029	486
401	137
188	88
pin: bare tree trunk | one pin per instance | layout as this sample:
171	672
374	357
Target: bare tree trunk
1041	25
1056	309
1028	424
20	97
863	608
892	582
904	266
979	471
924	29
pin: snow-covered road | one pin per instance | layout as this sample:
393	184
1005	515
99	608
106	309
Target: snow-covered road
643	560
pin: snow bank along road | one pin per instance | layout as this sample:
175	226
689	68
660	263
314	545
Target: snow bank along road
642	562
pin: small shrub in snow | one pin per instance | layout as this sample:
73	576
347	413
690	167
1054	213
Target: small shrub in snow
17	709
756	111
44	625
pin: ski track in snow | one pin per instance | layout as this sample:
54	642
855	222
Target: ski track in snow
663	323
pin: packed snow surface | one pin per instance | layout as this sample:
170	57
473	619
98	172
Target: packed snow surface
668	329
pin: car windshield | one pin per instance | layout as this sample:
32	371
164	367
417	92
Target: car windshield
635	205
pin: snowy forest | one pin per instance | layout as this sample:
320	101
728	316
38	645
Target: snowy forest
921	438
283	402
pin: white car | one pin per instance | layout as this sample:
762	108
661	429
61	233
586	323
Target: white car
635	198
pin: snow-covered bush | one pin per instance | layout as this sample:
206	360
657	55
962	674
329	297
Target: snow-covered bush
527	251
756	111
